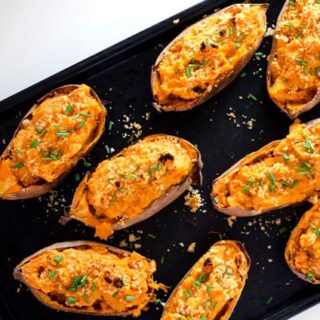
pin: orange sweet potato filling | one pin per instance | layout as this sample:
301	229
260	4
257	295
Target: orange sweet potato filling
284	173
49	139
295	68
303	249
208	53
93	280
123	186
213	286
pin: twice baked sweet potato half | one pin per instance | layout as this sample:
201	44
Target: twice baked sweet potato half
207	56
293	76
58	130
212	287
136	183
282	173
303	248
89	277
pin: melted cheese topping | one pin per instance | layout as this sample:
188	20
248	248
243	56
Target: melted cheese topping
124	186
286	172
295	66
212	287
208	53
52	136
303	249
93	280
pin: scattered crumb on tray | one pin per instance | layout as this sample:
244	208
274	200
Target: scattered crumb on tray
193	199
192	247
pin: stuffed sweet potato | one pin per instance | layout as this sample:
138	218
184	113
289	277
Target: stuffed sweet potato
89	277
207	56
293	76
303	248
212	287
58	130
282	173
136	183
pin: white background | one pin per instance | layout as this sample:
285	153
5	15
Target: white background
41	37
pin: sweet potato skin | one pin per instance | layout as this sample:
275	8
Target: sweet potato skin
184	105
40	189
229	243
294	242
170	195
307	106
247	159
44	299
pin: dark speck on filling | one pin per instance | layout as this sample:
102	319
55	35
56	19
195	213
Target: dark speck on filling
165	157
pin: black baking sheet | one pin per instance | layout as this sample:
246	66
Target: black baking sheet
120	75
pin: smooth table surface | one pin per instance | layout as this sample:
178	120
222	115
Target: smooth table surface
39	38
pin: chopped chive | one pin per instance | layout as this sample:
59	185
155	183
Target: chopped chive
292	3
107	149
308	146
82	124
246	188
51	275
196	283
129	298
19	165
71	300
202	277
188	72
301	61
77	283
86	115
285	157
305	168
208	287
77	177
162	260
230	30
93	286
34	144
269	301
123	190
111	123
238	41
19	150
252	97
228	271
315	229
187	293
316	71
283	230
203	318
114	197
152	236
51	155
57	259
68	108
86	164
62	133
41	132
243	75
86	298
272	181
310	276
115	295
